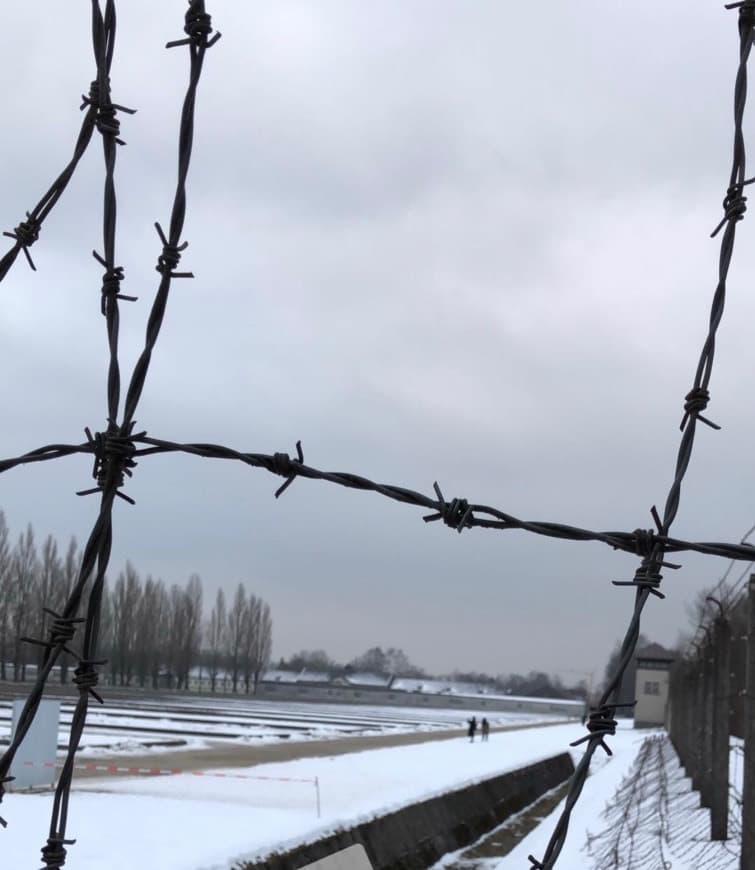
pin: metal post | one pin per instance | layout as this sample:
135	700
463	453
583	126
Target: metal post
707	716
747	860
690	721
317	792
719	781
698	772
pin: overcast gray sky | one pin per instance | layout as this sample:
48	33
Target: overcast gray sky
433	240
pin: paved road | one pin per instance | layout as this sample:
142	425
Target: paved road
235	755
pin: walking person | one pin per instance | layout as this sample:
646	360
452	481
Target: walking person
485	729
472	728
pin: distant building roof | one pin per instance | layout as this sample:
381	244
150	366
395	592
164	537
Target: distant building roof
280	676
363	678
655	651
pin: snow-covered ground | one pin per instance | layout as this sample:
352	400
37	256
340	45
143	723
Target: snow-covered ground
636	804
190	823
151	724
638	812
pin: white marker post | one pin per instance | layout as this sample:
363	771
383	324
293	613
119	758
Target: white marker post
353	858
34	762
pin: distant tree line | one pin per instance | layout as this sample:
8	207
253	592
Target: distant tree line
389	662
395	662
152	635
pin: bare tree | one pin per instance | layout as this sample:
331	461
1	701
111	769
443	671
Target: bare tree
215	635
48	577
161	617
192	624
262	645
147	631
125	602
24	567
237	621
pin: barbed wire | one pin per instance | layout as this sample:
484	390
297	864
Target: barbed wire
112	449
459	514
647	578
115	451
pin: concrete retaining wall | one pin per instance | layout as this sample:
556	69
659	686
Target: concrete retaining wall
416	836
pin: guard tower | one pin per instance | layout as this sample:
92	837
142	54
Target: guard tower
651	685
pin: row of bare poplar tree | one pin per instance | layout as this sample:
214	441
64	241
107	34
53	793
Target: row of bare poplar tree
152	635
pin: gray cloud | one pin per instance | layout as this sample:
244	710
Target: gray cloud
435	241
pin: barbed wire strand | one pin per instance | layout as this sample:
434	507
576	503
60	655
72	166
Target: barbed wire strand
647	578
27	232
282	464
112	450
115	451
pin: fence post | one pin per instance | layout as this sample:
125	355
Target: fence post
701	737
707	721
747	860
690	721
719	778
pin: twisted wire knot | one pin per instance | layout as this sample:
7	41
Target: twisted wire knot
93	97
105	118
695	402
734	205
281	464
63	629
86	678
25	234
457	514
111	286
197	27
285	466
644	541
113	459
54	853
99	99
198	24
600	724
170	257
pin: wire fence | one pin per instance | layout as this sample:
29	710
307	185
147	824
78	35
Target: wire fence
116	450
712	716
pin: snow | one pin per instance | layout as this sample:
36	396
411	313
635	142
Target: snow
145	724
185	822
638	811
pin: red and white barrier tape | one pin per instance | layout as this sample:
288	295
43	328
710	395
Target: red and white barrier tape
159	771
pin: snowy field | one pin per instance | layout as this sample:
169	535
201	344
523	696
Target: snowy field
168	722
184	822
636	804
638	812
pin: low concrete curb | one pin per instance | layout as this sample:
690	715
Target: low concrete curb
415	837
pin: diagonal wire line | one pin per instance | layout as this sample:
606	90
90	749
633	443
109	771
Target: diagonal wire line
648	577
449	511
112	449
115	451
27	232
